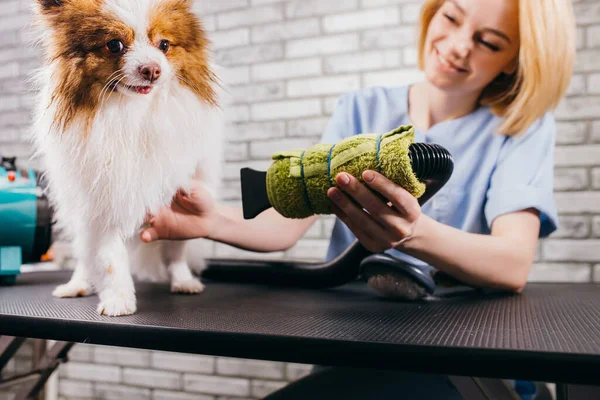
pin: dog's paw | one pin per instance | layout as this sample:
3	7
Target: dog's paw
117	304
189	286
72	289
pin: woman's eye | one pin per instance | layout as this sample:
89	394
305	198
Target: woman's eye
489	45
450	18
115	46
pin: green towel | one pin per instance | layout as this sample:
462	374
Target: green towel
298	180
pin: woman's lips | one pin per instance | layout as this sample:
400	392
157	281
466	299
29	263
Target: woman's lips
448	65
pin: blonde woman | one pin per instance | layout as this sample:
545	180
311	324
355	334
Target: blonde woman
495	70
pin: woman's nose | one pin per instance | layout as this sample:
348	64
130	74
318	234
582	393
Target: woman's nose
461	45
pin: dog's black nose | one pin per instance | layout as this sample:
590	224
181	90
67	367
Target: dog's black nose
150	71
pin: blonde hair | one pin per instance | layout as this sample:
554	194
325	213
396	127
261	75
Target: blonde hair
545	62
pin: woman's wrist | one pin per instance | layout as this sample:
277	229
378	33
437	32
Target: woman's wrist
421	238
220	222
227	223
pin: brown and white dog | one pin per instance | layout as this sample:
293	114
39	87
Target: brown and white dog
128	112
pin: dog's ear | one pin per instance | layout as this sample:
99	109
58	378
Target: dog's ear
50	4
187	3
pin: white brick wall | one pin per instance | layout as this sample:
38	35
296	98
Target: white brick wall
165	361
120	356
216	385
252	368
91	372
287	61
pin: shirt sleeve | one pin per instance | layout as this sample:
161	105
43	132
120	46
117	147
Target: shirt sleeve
524	176
341	123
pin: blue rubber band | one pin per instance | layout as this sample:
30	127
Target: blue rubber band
377	153
329	166
306	198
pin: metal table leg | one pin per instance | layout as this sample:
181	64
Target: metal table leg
8	347
47	361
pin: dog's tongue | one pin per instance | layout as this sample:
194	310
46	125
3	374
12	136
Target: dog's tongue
143	89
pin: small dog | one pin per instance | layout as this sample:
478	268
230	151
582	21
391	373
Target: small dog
128	112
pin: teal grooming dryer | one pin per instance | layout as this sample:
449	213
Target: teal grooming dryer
25	219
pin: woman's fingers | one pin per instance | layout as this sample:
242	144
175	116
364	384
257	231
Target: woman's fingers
149	234
361	234
384	227
354	212
363	196
182	192
149	218
359	221
389	218
404	202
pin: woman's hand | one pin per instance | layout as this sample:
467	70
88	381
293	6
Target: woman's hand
501	260
382	226
190	215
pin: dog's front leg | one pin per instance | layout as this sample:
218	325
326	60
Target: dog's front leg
182	279
79	284
108	264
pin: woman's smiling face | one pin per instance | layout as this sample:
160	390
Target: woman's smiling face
470	42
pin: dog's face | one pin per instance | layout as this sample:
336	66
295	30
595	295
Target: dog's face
133	47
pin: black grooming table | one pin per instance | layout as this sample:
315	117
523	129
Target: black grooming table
550	332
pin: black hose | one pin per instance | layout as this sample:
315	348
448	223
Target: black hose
432	164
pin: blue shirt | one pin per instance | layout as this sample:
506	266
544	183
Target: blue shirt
493	174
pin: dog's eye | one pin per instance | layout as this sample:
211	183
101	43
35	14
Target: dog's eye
115	46
164	45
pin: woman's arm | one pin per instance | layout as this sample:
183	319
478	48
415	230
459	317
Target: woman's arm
501	260
196	215
267	232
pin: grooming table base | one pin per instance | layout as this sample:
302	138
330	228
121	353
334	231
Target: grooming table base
550	332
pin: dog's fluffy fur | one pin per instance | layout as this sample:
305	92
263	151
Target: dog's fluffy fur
117	144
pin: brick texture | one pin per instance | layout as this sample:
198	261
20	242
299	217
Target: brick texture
286	62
